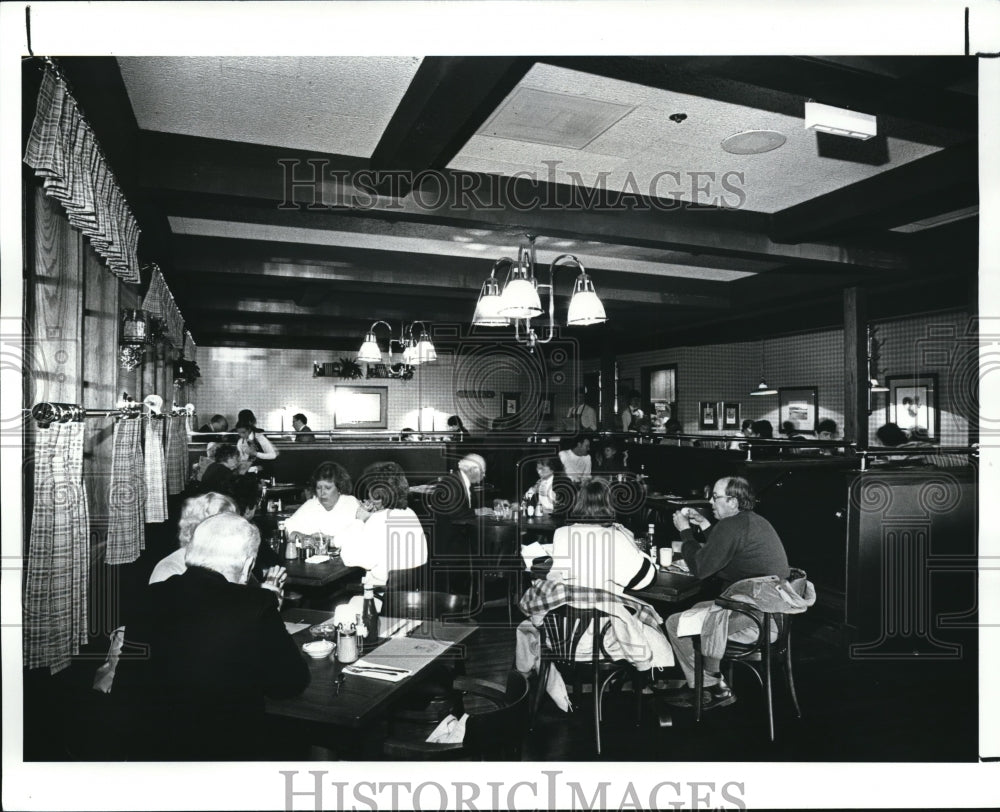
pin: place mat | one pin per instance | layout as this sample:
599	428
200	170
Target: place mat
317	559
295	628
407	653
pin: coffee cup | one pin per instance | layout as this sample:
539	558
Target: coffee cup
666	557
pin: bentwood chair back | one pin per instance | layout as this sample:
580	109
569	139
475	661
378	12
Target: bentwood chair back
758	656
560	635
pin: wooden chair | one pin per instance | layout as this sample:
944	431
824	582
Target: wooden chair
496	733
758	656
500	560
560	634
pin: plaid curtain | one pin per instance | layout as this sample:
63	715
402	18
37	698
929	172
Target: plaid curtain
176	454
156	472
160	302
63	151
127	494
58	565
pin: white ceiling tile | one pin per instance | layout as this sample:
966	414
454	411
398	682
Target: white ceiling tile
337	105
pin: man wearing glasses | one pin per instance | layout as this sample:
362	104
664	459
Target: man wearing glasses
740	544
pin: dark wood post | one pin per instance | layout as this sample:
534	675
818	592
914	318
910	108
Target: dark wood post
856	366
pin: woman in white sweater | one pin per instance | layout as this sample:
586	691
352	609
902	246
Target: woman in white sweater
331	509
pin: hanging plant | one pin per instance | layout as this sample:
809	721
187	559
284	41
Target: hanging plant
186	371
349	368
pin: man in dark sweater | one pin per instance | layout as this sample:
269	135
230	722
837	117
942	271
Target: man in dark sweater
739	545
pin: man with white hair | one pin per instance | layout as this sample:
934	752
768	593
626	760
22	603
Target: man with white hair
216	648
454	507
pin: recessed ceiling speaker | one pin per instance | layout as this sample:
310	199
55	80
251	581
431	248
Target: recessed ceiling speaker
753	142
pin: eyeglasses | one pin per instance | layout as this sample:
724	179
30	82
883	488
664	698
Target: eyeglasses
719	496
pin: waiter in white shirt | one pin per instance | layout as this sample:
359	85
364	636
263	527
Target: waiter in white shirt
581	417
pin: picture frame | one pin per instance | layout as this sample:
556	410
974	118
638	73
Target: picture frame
510	404
913	405
360	407
708	415
799	406
731	414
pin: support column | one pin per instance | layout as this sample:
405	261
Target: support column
856	366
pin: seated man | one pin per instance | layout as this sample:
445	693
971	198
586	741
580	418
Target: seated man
216	648
740	545
576	459
303	434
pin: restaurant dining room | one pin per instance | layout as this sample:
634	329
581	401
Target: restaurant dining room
542	408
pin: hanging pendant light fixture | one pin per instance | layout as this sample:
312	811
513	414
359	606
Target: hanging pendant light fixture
520	300
762	387
415	351
488	307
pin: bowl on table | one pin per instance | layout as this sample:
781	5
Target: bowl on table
318	649
323	631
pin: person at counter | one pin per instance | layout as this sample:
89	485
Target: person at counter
741	544
632	414
459	433
254	447
216	650
303	434
610	459
582	416
331	508
386	536
576	459
217	425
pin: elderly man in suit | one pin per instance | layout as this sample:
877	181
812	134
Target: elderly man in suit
216	648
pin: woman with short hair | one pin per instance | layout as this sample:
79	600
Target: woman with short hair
331	508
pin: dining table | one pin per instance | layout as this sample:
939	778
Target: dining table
335	697
301	573
669	587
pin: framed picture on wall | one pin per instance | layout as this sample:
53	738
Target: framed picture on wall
731	415
913	405
510	404
708	415
360	407
797	407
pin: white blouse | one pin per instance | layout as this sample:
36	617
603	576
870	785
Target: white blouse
598	557
389	540
312	517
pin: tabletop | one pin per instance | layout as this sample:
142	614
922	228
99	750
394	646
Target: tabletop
302	574
668	587
360	698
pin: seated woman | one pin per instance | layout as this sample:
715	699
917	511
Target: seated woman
547	469
254	447
330	510
596	552
387	536
220	474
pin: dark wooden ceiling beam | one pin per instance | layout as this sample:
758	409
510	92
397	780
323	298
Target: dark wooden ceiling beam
512	205
941	182
452	275
447	101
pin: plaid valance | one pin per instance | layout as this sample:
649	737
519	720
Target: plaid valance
160	302
63	151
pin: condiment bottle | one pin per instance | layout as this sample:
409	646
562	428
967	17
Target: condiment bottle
291	551
651	539
369	618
